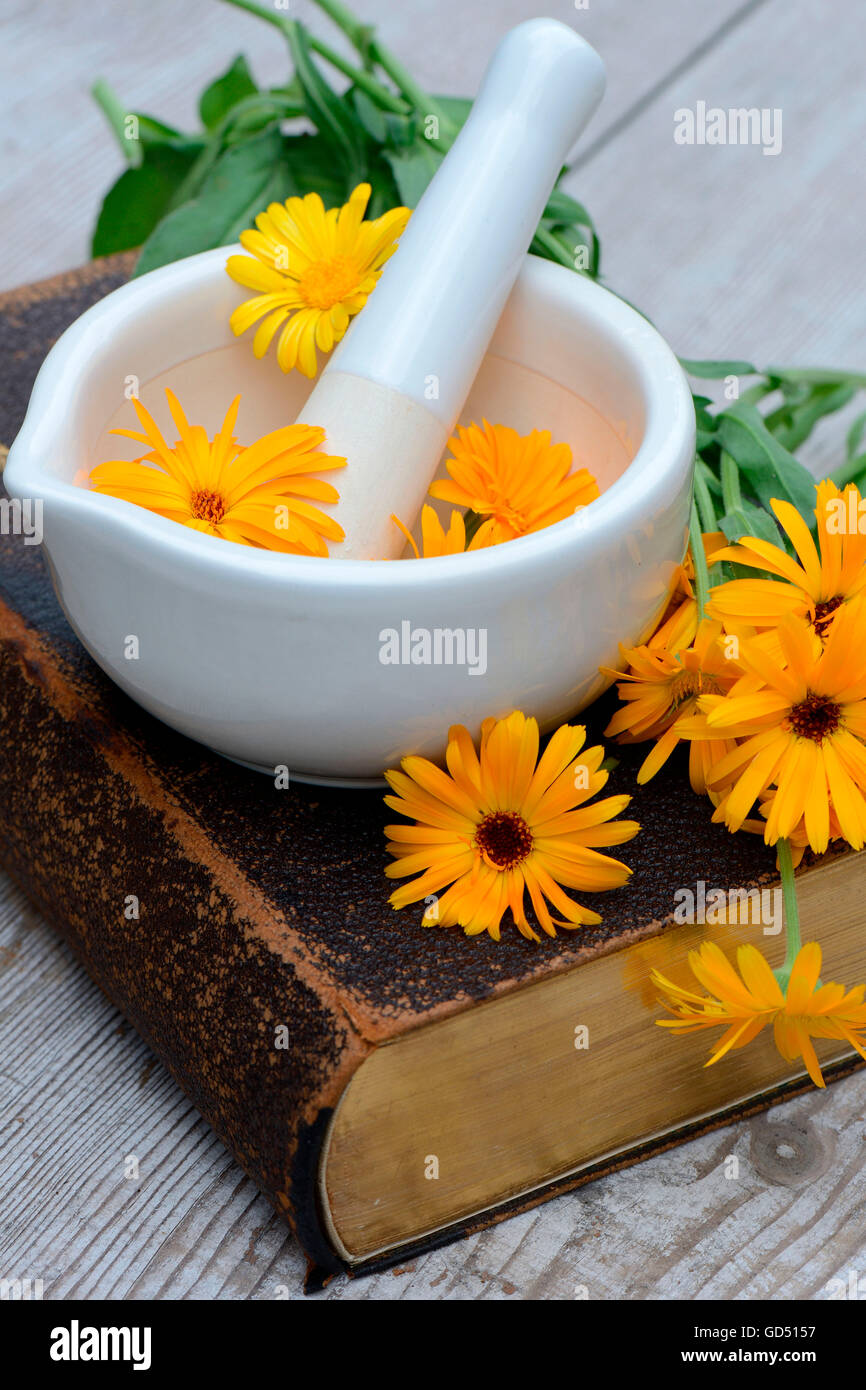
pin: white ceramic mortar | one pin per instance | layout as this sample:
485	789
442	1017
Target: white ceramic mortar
274	659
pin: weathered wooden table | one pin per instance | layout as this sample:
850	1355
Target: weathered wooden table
733	252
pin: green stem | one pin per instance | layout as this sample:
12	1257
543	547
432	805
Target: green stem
416	96
270	16
703	498
375	91
699	560
361	36
732	494
116	114
355	30
792	912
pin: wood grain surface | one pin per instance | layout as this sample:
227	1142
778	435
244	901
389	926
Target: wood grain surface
730	251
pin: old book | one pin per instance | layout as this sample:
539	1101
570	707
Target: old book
389	1087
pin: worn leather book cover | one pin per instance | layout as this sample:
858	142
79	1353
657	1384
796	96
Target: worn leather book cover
216	908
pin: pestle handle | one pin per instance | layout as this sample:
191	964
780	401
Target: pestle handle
441	295
391	393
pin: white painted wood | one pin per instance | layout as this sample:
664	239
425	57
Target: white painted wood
729	251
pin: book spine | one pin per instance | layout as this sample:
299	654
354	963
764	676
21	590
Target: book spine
172	933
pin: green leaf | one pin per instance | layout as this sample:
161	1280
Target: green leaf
567	236
817	376
218	99
713	370
134	205
332	117
568	246
385	193
564	211
413	169
154	132
246	118
746	520
792	424
768	466
705	424
384	127
308	162
242	183
854	438
268	168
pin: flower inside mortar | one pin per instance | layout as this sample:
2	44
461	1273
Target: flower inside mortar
260	495
312	270
436	541
516	483
503	821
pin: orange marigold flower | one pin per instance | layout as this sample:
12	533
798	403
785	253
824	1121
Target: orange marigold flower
504	821
813	586
745	1003
660	690
259	495
800	727
522	483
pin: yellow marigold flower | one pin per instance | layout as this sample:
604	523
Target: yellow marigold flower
660	689
312	271
679	622
494	825
746	1002
800	727
520	482
435	540
814	586
254	495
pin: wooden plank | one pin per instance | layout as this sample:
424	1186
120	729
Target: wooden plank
733	253
729	251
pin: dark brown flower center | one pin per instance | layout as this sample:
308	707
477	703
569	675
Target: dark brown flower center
823	615
816	717
505	838
208	506
689	683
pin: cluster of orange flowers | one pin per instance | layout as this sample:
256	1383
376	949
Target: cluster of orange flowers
768	685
